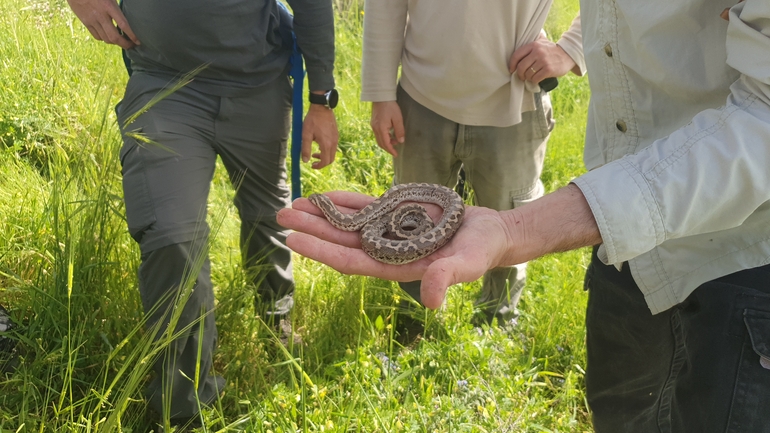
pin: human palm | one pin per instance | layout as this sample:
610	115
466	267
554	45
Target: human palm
480	244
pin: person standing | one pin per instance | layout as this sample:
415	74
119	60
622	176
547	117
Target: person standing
467	98
235	106
676	205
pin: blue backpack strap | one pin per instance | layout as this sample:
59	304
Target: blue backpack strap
297	73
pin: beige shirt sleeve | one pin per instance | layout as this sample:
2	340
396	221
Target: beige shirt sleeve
572	43
384	26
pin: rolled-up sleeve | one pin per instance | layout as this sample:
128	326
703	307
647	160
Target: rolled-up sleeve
314	27
571	42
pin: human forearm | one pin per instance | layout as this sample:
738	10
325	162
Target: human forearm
560	221
571	42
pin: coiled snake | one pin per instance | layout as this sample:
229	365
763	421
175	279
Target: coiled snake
399	235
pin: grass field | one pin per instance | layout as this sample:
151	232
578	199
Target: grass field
67	273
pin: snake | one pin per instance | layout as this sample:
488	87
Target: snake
396	234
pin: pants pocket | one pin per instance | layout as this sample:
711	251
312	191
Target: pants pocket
532	194
140	212
751	398
545	121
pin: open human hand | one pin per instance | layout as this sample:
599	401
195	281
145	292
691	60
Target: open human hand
480	244
387	124
320	125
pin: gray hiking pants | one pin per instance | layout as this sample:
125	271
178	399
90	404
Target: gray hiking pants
502	166
166	178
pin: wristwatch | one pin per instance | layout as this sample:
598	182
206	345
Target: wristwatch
328	99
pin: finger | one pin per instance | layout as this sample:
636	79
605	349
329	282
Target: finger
128	32
541	75
122	23
112	36
376	130
725	14
307	145
351	202
382	135
98	27
319	159
94	33
318	227
350	199
330	153
398	129
325	158
525	69
350	260
532	71
437	278
305	205
517	56
343	259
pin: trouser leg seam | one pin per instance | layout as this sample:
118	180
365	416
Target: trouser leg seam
677	361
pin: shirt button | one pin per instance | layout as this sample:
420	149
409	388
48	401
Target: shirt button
608	50
621	125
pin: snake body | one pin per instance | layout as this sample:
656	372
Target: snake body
400	234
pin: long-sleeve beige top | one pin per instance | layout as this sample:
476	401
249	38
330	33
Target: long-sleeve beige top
454	55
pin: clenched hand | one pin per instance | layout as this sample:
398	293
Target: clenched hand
105	21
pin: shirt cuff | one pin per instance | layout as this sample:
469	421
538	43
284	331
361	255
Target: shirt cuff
575	52
320	79
379	96
627	215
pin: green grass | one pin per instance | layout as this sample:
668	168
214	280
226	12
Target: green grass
67	272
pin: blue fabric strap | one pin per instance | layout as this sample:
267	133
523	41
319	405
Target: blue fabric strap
297	73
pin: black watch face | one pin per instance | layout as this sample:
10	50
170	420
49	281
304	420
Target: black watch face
332	97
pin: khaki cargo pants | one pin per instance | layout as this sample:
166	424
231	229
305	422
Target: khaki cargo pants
502	166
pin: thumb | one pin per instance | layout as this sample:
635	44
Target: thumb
437	278
398	128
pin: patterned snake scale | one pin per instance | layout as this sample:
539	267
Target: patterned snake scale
399	235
